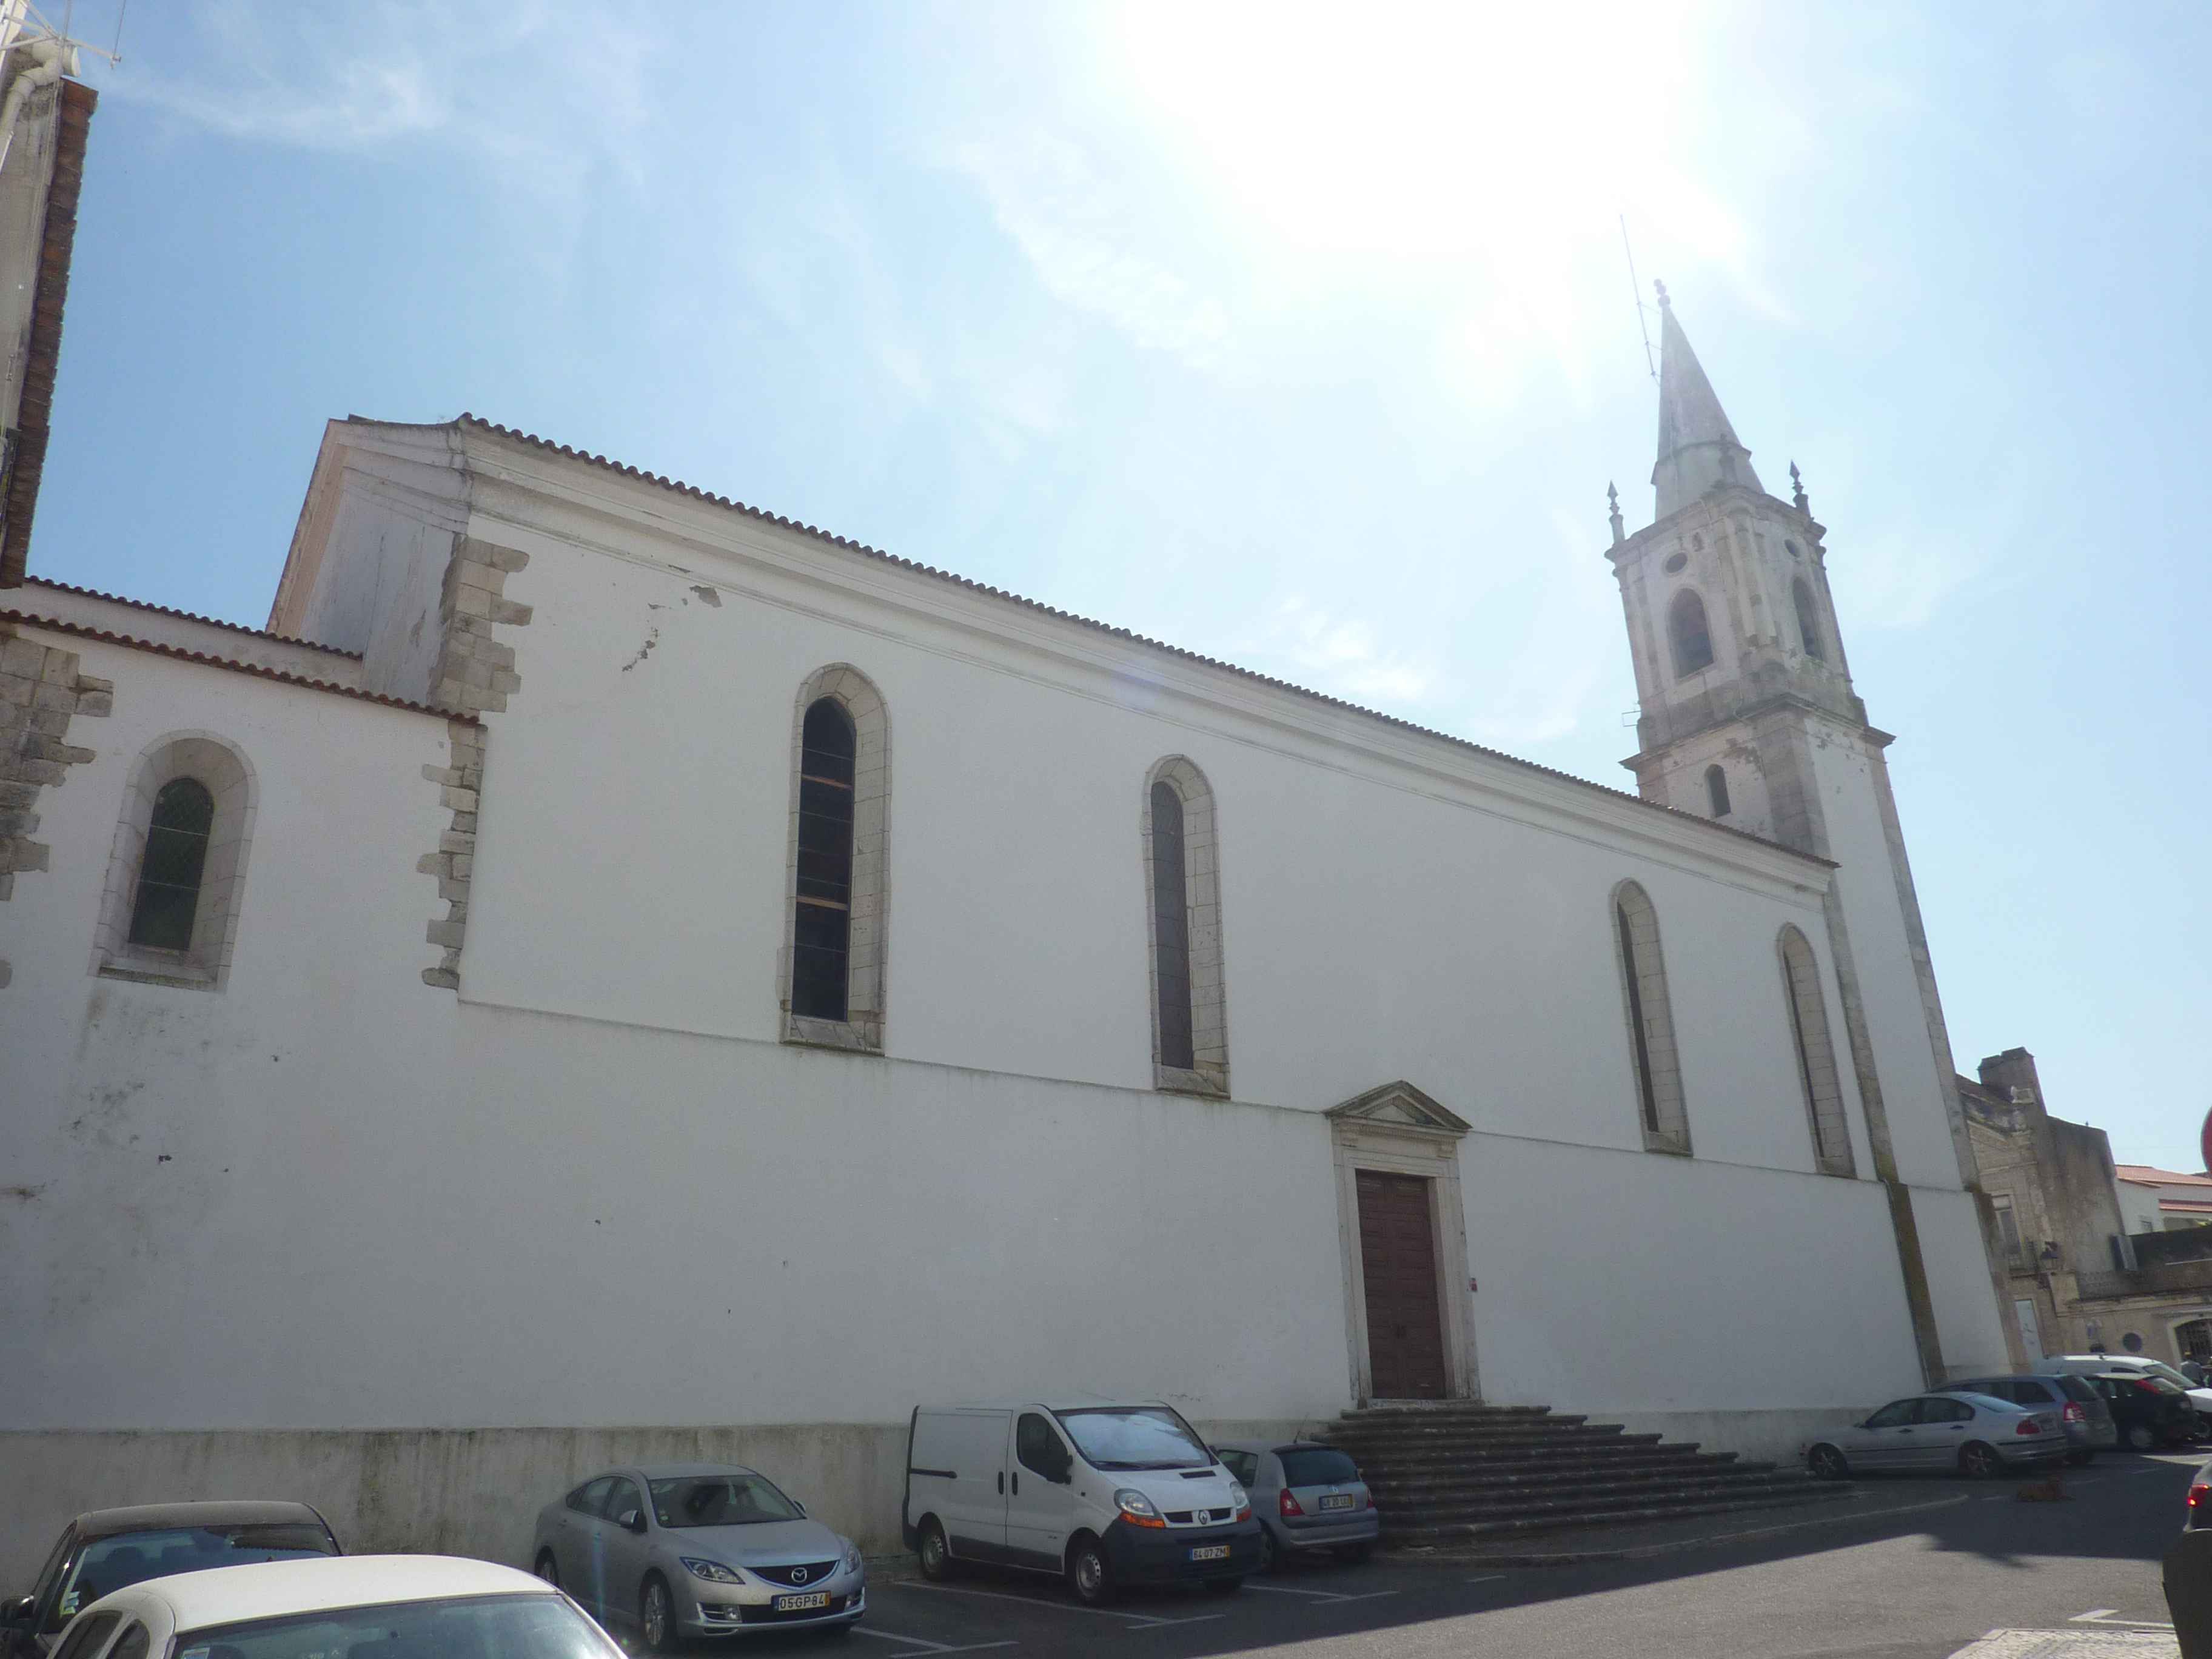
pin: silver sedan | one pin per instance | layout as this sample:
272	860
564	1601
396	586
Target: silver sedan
1976	1434
679	1551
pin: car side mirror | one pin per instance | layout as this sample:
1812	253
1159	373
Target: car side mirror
17	1612
630	1521
1063	1472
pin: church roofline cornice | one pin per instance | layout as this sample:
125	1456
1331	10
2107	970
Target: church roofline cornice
464	444
1766	705
1713	504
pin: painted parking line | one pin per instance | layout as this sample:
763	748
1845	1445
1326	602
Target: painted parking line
1487	1578
1129	1620
919	1646
2103	1616
1325	1597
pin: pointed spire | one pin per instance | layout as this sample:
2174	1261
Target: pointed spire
1612	500
1699	450
1797	492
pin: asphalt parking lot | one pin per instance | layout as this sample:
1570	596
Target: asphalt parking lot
1940	1565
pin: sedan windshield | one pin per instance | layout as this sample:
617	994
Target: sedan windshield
470	1627
129	1557
1133	1438
734	1499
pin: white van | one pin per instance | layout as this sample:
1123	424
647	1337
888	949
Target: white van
1105	1495
2091	1365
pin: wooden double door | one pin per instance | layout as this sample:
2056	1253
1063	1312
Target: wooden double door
1398	1266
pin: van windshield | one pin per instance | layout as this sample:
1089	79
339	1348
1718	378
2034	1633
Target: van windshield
1133	1438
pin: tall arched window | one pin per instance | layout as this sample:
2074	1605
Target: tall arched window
168	895
1657	1062
176	873
1816	1055
834	946
1716	794
821	931
1686	632
1183	914
1808	620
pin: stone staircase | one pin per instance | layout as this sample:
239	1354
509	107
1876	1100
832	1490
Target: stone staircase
1461	1472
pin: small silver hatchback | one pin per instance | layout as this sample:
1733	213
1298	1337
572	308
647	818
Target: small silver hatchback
1309	1499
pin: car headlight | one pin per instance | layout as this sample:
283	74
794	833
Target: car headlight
1240	1501
1137	1509
853	1563
713	1571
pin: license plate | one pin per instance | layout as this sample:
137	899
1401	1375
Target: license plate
800	1603
1336	1500
1210	1553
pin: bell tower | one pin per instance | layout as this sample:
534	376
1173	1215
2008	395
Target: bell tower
1731	621
1748	716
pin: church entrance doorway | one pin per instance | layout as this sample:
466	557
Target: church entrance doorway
1398	1265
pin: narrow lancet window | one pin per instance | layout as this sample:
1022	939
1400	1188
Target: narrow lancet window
1183	917
823	923
1657	1064
1687	631
169	896
1816	1055
1171	929
1716	793
1809	621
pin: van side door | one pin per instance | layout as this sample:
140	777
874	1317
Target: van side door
958	1473
1042	1510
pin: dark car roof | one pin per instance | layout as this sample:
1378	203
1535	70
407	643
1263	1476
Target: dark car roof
157	1517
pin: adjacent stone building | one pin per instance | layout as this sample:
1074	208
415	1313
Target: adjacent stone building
2078	1276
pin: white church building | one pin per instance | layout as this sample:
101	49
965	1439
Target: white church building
611	972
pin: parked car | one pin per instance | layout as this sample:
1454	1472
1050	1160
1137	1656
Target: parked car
1976	1434
108	1549
2088	1419
1106	1495
1309	1499
2093	1365
2197	1508
683	1550
376	1606
2150	1411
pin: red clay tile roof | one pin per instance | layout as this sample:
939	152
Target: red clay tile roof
532	439
42	350
2151	1175
188	616
28	619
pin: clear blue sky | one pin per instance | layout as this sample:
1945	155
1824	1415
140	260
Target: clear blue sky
1296	335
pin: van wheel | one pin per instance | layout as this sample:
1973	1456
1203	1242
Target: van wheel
936	1560
1087	1573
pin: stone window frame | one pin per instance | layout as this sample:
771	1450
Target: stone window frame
1677	608
1648	1011
229	776
1805	1003
861	1030
1209	1010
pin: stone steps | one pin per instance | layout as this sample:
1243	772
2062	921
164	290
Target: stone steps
1477	1532
1461	1471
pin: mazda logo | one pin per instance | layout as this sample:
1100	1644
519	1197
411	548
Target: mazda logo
798	1575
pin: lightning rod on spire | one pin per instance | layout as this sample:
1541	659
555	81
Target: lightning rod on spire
1635	293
